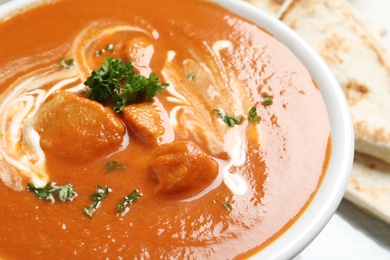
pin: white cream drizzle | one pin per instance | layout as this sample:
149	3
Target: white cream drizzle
236	148
90	34
20	144
235	138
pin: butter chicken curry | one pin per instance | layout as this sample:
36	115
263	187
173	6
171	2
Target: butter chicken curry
151	129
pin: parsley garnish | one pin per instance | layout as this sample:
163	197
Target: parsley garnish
117	81
104	82
229	120
114	165
267	100
226	205
191	76
52	192
128	200
109	47
253	115
66	63
96	199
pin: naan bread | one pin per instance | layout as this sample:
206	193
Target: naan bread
352	49
274	7
369	186
340	36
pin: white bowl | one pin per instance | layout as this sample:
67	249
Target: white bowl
332	188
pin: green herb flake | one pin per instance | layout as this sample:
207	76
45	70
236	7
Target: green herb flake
109	47
252	116
117	81
267	100
67	63
226	205
96	198
51	191
88	211
114	165
191	76
128	200
229	120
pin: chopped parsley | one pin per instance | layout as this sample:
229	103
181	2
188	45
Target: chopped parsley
117	81
51	191
226	205
96	199
114	165
109	47
252	116
191	76
229	120
128	200
67	63
267	100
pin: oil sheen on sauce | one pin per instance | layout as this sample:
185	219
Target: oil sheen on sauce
268	171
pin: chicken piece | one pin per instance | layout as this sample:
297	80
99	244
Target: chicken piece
77	128
145	121
182	169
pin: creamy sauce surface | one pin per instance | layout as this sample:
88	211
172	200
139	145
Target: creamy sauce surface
267	171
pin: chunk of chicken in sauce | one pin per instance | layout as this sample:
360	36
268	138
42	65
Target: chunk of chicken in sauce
145	121
182	169
77	128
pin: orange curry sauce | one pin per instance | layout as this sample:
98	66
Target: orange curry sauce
281	159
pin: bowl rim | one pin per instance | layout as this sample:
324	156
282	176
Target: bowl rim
331	191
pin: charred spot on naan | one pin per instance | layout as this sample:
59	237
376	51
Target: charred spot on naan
355	92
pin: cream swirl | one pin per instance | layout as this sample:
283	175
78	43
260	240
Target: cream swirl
189	108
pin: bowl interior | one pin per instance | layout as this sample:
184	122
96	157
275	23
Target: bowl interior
331	191
332	188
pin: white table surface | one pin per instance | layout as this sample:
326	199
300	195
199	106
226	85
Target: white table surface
352	234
